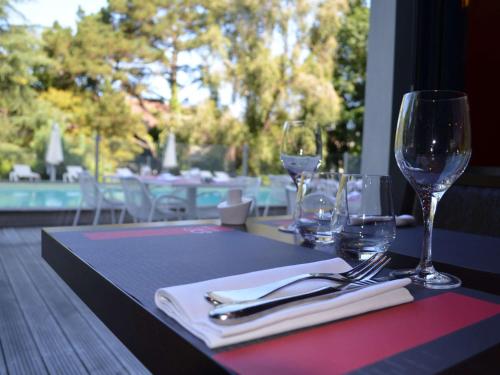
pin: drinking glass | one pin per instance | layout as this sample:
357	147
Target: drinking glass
301	149
432	149
321	209
370	226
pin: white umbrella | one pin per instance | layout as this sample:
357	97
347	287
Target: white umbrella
170	157
54	154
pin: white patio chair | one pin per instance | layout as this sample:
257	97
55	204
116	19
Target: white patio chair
193	173
251	187
124	172
98	198
72	173
23	171
144	207
221	176
277	191
206	175
119	173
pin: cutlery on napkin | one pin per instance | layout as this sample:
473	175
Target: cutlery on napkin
187	305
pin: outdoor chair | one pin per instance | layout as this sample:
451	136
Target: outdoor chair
192	173
221	176
277	192
72	173
206	175
142	206
119	173
251	187
23	171
124	172
98	198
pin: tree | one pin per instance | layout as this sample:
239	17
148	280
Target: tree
87	69
22	113
349	79
279	57
166	30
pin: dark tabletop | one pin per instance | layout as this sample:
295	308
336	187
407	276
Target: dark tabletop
116	270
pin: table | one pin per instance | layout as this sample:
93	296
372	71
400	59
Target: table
191	186
115	270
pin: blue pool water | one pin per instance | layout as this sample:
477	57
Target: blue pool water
61	196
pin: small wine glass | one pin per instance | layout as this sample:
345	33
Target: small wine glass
432	149
301	149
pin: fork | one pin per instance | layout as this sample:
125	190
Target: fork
365	270
235	313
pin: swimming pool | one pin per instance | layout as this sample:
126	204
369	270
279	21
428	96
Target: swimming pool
47	195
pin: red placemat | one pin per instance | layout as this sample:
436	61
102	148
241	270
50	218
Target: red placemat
344	346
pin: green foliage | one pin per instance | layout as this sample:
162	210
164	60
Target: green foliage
283	59
22	112
349	79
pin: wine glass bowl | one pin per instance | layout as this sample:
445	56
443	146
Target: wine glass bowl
301	150
300	147
432	149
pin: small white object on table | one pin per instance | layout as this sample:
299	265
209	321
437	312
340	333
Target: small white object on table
234	210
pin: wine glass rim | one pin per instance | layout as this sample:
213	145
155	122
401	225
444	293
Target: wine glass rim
454	94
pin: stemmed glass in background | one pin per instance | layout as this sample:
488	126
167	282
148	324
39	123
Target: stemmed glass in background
301	149
432	149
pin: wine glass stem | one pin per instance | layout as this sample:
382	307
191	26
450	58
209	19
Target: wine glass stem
429	204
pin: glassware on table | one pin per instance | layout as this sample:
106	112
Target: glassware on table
432	149
301	149
370	226
321	207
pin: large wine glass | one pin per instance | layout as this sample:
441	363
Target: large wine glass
301	149
432	149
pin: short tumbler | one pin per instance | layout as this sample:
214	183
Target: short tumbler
370	226
321	210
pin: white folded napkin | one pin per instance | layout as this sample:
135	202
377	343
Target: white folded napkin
187	305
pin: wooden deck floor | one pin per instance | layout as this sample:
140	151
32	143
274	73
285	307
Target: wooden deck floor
44	326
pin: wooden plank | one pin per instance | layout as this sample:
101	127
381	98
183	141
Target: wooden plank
18	347
56	351
90	347
97	347
3	365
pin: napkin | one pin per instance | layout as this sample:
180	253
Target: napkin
187	305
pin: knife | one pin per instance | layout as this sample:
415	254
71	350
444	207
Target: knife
236	313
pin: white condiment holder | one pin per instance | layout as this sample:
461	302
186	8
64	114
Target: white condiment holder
234	210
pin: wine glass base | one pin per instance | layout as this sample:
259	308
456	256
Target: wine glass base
291	228
400	274
437	280
434	280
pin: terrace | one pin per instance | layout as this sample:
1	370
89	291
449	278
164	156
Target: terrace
88	298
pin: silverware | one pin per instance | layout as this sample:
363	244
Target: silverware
362	271
237	313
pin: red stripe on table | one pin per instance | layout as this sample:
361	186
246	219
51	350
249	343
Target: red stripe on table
350	344
168	231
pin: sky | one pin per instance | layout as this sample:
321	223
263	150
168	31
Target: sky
45	12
